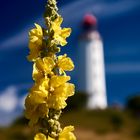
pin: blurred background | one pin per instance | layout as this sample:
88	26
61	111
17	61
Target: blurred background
118	25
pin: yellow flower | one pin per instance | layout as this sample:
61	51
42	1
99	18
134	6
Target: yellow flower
66	134
57	99
65	63
40	136
60	34
34	112
36	102
57	81
42	67
60	91
35	43
36	35
34	52
39	92
47	93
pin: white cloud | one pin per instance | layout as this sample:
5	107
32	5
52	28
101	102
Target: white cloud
19	39
100	8
112	9
8	99
11	106
72	15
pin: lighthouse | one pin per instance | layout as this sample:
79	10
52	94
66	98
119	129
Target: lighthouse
91	64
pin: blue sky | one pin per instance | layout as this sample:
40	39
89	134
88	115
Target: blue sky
118	23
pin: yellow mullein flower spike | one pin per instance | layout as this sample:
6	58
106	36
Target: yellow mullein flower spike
51	89
65	63
60	34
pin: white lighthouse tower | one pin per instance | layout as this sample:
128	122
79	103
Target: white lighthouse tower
91	65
